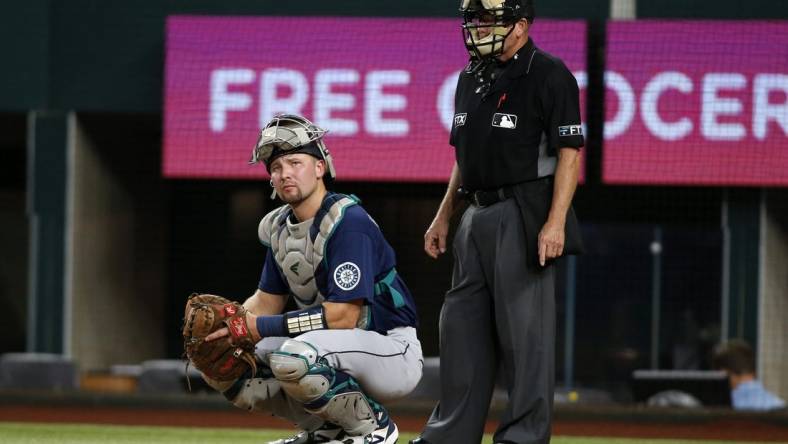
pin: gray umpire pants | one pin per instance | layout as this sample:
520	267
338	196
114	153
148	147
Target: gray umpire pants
498	311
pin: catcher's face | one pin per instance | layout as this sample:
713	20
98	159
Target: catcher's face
296	177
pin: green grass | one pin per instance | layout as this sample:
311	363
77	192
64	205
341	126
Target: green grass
35	433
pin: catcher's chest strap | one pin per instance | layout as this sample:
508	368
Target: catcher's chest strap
273	230
327	219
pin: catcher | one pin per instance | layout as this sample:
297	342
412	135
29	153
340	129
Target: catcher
351	345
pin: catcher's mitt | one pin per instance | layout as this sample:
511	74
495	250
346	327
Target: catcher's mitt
226	358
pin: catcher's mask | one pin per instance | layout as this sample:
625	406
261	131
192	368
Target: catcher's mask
498	17
291	134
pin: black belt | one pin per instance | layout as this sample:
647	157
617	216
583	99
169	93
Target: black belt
482	198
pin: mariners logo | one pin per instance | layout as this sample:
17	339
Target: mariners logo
347	276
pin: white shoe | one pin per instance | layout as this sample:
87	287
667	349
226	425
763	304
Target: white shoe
386	434
326	434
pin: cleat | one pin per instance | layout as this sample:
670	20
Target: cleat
328	433
387	433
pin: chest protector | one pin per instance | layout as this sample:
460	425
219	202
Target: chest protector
299	249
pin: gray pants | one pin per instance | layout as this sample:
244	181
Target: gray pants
388	367
497	312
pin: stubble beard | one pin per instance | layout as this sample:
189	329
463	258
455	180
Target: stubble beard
295	200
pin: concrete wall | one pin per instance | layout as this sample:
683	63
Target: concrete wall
773	334
115	285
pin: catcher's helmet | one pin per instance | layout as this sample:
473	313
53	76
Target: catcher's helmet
290	134
496	15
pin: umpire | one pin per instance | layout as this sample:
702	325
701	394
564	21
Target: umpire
516	133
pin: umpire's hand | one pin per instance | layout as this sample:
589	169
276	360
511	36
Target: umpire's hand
551	241
435	237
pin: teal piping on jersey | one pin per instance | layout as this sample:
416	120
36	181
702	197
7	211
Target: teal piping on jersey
369	319
385	284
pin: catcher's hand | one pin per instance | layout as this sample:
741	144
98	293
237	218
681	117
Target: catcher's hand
225	359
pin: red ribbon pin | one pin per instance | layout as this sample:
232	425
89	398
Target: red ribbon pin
501	100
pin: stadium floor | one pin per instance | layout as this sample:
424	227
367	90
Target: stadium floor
633	423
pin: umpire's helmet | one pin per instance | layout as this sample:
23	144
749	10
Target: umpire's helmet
498	16
290	134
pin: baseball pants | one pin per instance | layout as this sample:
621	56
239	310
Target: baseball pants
498	312
387	367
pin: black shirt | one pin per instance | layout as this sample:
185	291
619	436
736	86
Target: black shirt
510	131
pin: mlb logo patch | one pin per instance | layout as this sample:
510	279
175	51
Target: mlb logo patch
502	120
459	119
570	130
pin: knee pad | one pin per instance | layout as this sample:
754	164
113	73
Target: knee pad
328	393
292	365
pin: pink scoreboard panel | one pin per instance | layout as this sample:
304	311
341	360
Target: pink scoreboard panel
696	103
384	88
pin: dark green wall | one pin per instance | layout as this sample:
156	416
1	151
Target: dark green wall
47	215
24	41
106	56
713	9
94	55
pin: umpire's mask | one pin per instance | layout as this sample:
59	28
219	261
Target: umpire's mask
291	134
498	17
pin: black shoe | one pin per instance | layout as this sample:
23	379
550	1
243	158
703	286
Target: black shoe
418	440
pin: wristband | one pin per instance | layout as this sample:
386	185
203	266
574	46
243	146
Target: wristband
302	321
269	326
292	323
